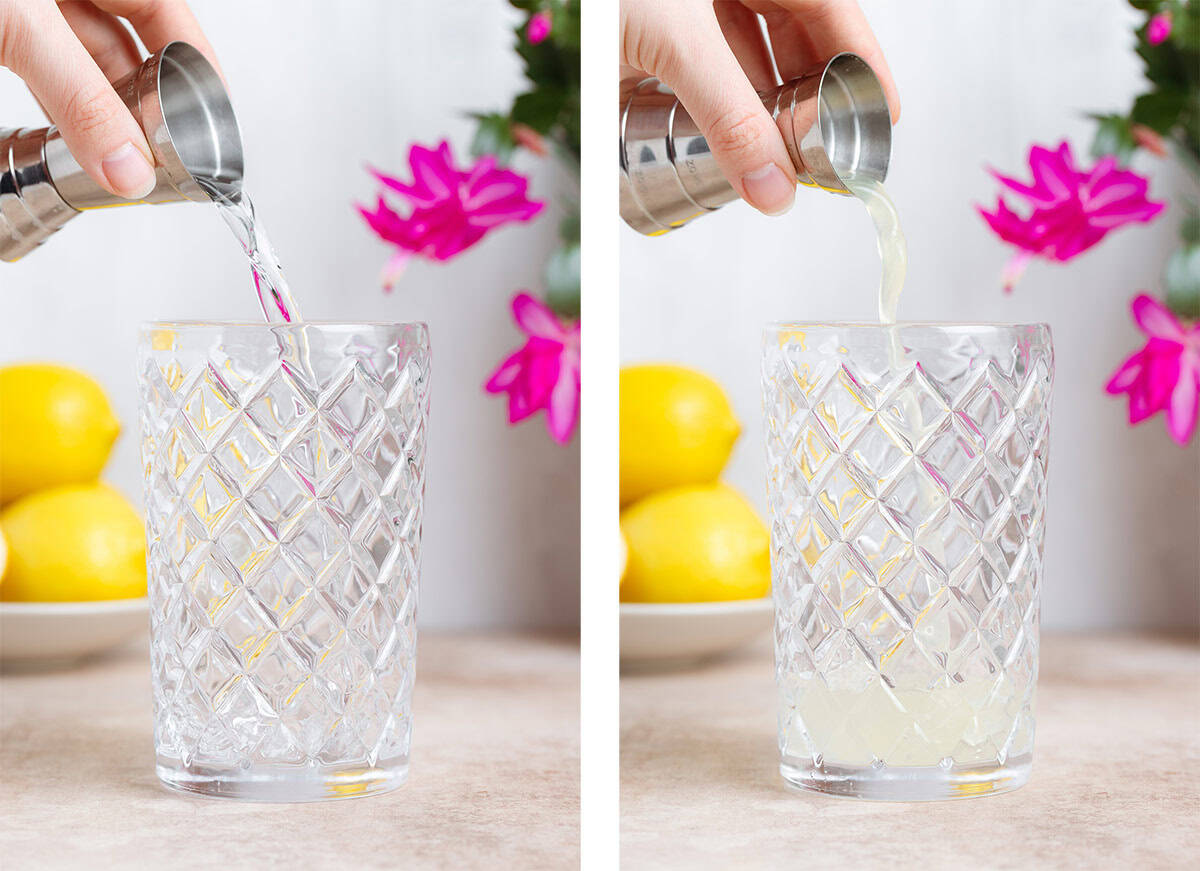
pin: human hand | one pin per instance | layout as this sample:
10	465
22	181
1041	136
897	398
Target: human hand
713	55
69	52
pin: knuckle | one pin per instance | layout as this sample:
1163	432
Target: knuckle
647	53
88	110
652	39
737	132
17	29
109	55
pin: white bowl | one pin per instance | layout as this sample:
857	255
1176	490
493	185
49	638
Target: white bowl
671	634
44	631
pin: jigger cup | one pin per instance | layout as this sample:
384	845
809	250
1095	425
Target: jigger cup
180	102
834	121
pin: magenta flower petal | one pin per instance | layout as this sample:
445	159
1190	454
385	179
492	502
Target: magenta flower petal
1010	227
1014	269
1069	210
544	373
1126	375
1159	28
1055	173
450	209
539	27
1031	192
394	268
435	179
562	410
1183	405
506	375
400	187
386	223
1155	319
1165	374
535	317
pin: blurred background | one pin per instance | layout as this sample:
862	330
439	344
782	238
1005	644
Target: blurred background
978	84
320	92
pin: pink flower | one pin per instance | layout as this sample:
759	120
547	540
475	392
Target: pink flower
527	137
1165	374
1144	137
450	209
1159	28
545	372
538	28
1070	210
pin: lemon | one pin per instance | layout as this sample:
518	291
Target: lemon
677	428
695	544
56	427
75	543
3	556
623	556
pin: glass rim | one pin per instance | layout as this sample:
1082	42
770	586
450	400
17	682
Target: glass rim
161	325
876	325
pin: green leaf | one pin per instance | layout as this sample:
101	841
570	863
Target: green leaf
539	108
493	136
562	281
1189	229
1183	282
1158	110
568	228
565	31
1113	136
1185	26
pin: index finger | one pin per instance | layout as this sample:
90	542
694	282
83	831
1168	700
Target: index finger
158	22
834	26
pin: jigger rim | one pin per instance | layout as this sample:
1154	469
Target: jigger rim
187	61
858	82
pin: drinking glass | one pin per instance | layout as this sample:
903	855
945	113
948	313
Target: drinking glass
907	491
284	472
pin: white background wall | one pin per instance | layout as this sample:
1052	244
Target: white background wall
320	89
978	83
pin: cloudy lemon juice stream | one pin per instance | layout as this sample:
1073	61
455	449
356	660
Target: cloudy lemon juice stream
851	716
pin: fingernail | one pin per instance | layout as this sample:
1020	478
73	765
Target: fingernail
129	173
769	190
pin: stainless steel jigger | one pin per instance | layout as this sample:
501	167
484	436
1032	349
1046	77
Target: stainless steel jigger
834	120
181	104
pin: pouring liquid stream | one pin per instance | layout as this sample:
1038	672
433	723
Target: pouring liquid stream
893	250
893	266
274	296
949	720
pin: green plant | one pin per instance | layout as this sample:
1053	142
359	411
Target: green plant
545	118
1167	116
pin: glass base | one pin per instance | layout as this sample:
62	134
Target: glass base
907	783
283	783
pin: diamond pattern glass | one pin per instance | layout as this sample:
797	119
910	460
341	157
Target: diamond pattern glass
284	473
907	486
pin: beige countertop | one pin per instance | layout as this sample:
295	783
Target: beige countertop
494	780
1114	780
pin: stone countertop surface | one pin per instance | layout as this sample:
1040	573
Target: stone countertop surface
1114	781
494	780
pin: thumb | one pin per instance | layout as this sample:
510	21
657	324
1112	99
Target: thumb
747	145
96	126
